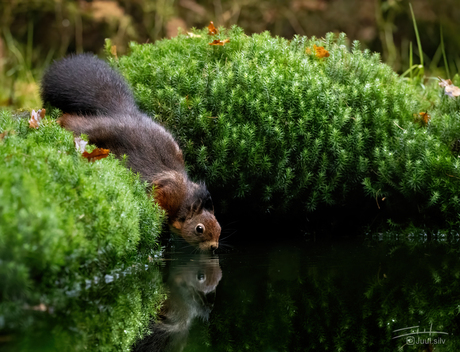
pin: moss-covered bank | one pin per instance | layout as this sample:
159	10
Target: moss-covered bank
269	124
63	219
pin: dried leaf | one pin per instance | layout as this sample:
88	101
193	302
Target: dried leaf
96	154
449	88
211	29
425	117
36	117
113	51
444	82
320	51
6	133
308	51
80	144
188	102
422	118
452	91
220	42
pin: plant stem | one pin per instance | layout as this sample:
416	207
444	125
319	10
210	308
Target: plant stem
444	54
419	44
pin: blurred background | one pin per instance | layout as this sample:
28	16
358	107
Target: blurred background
34	32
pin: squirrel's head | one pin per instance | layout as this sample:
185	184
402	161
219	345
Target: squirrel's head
198	225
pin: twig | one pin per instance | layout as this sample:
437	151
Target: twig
399	126
453	176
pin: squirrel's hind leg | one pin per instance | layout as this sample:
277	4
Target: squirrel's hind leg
100	130
75	123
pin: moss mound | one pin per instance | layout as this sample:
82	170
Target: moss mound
61	216
266	121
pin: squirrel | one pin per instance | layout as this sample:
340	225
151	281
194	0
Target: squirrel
97	101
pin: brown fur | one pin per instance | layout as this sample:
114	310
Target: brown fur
151	149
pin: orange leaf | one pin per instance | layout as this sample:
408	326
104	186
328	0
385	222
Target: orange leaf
96	154
308	51
211	29
425	117
220	42
113	51
320	51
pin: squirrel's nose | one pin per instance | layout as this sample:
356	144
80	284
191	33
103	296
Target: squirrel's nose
213	247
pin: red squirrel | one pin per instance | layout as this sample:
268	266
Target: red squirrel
98	102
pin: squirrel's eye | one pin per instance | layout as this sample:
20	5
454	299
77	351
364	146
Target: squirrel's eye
199	228
201	276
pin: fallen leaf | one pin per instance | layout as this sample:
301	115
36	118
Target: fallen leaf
80	144
41	307
211	29
220	42
113	51
452	91
422	118
36	117
449	88
444	82
96	154
188	102
6	133
425	117
320	51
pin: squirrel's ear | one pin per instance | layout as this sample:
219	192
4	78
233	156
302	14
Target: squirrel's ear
208	204
194	208
168	192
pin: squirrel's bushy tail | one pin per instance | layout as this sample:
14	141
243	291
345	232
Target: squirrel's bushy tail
84	84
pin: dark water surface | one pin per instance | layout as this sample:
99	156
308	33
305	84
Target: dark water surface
335	295
341	295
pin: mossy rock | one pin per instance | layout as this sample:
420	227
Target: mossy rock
61	216
268	123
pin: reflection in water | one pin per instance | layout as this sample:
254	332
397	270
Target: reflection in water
191	286
108	312
316	296
335	296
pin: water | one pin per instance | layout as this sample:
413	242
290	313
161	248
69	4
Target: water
338	295
349	295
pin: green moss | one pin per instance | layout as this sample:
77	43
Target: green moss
60	214
104	314
263	121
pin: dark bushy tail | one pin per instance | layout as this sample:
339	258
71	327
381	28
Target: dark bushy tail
84	84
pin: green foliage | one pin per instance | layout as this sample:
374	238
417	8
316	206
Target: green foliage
104	314
262	120
61	216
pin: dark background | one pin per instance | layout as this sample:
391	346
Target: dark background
33	32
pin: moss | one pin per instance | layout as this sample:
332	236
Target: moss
61	215
264	121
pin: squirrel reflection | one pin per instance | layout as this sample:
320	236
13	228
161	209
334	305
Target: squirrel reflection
192	286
